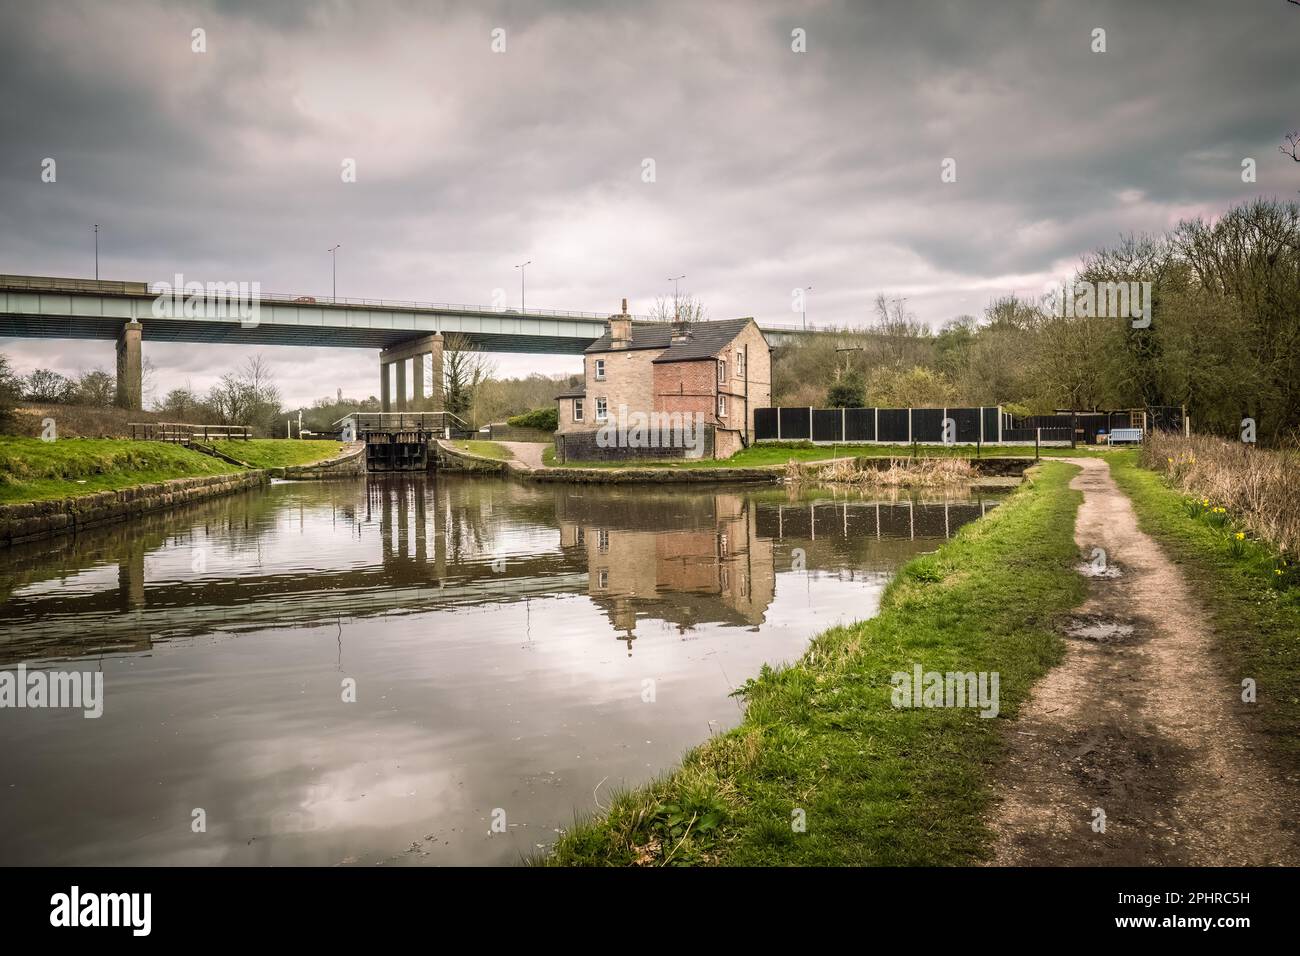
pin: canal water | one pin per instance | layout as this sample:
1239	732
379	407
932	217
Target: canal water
373	672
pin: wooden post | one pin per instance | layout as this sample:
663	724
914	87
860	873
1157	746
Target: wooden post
1038	436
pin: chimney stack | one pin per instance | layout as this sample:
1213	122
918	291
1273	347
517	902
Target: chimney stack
620	329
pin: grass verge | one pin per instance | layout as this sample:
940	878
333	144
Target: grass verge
1250	592
875	784
780	453
279	452
484	449
35	470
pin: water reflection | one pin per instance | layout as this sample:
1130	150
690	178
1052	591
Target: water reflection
500	635
300	555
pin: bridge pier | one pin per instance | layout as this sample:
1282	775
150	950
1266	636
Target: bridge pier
130	374
412	351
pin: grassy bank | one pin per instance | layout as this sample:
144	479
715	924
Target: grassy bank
1250	590
876	785
780	453
35	470
484	449
279	452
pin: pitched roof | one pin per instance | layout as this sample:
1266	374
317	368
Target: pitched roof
574	391
707	339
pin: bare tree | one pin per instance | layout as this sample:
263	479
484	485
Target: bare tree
1292	147
465	366
687	307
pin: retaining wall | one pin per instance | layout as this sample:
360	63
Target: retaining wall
40	519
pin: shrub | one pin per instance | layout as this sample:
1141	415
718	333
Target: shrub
546	419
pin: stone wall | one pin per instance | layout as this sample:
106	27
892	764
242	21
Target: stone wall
39	519
349	463
585	446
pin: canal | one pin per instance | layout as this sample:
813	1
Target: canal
377	672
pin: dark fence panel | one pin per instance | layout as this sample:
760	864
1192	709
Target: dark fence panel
968	423
1027	434
893	425
794	424
827	424
927	424
859	424
990	424
889	425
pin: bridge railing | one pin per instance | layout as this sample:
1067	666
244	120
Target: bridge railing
182	433
403	421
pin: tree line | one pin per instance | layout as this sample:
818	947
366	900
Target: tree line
1223	337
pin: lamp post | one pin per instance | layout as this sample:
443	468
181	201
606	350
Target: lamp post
96	250
805	308
523	271
334	269
677	313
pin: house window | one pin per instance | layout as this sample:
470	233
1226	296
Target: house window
602	578
722	371
602	409
582	535
602	540
740	364
600	370
722	406
577	409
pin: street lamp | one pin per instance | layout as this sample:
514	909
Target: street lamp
805	308
96	250
523	271
677	314
334	268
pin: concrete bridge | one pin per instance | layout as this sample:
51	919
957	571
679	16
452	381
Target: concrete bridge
403	332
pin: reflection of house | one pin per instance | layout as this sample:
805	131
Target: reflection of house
720	371
721	572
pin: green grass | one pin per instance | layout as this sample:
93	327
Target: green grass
779	453
279	452
35	470
1255	611
484	449
877	785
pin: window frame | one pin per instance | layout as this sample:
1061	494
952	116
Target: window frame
722	405
602	410
578	409
722	371
598	369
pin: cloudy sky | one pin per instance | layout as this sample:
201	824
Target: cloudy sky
773	169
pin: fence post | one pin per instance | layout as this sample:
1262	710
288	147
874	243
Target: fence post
1038	436
844	418
810	428
778	423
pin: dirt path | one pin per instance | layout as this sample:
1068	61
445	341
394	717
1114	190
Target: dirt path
1142	721
527	453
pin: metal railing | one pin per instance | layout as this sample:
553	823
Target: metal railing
112	286
182	433
403	421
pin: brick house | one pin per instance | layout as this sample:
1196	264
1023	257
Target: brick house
719	371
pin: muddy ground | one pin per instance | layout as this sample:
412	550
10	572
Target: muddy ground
1141	722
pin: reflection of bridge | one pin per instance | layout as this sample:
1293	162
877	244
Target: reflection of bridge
412	546
45	307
